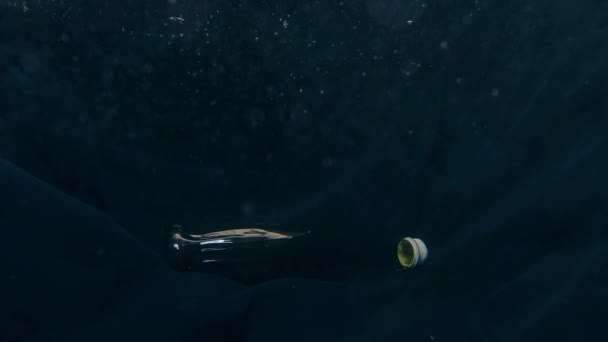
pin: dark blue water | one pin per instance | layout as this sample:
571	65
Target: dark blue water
480	127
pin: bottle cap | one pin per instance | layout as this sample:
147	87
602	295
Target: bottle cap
411	252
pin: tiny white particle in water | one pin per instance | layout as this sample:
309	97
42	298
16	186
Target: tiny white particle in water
327	162
495	92
322	91
410	22
247	208
285	23
444	45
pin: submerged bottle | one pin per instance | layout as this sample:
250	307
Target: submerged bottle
253	254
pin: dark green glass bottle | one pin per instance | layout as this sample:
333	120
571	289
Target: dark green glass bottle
253	254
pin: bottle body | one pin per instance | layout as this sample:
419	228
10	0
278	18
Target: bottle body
248	255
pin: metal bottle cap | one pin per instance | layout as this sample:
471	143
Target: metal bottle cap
411	252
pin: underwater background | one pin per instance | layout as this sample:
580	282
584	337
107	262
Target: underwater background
478	126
